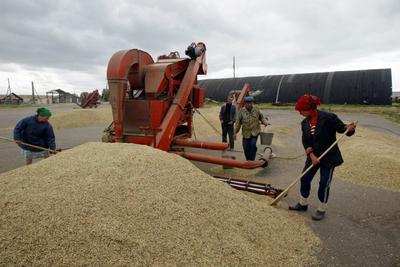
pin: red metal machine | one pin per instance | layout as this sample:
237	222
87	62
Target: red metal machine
89	100
153	102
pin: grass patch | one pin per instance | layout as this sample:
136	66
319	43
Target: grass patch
392	113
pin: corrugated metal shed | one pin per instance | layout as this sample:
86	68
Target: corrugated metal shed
339	87
61	97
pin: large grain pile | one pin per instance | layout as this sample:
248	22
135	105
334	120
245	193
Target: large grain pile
82	117
124	204
371	158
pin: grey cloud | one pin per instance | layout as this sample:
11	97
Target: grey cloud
82	35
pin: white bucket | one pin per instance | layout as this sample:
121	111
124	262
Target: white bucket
266	138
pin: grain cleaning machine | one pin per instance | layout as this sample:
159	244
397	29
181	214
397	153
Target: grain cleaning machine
153	103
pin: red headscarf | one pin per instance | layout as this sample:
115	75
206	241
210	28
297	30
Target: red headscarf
307	102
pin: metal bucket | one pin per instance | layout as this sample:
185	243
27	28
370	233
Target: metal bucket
266	138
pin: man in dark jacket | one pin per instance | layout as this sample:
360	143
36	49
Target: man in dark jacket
319	133
35	130
227	116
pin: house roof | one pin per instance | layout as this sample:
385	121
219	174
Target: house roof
57	91
15	96
60	92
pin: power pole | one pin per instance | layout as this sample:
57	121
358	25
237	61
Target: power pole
234	67
8	88
8	98
33	94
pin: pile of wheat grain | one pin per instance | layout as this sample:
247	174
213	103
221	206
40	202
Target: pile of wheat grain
82	117
371	158
124	204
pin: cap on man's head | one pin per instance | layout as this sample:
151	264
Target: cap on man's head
44	112
248	99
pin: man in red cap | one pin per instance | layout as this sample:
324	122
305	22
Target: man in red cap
318	134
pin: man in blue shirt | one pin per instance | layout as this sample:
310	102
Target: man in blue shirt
35	130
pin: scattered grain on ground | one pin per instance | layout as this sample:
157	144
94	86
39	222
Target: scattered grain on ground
125	204
207	124
81	118
371	158
234	172
281	134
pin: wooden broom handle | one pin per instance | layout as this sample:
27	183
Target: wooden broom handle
26	144
284	192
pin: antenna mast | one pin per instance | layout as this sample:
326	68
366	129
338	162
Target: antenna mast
8	97
33	94
234	67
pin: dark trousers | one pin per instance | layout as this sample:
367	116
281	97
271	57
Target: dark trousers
227	129
250	147
324	182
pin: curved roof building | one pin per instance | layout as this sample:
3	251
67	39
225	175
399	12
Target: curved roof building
339	87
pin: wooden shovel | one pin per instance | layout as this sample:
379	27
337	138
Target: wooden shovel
22	143
284	192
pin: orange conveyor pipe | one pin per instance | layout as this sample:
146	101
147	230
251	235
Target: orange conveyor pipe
243	164
200	144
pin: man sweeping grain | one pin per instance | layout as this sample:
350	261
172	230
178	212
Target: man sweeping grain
249	119
318	133
35	130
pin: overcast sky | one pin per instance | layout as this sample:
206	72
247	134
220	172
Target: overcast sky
67	44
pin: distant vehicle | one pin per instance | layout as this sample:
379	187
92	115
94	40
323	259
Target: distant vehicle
89	100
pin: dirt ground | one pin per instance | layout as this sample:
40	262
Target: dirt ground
362	223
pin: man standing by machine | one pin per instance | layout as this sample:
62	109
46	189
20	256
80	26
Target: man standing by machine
35	130
249	120
227	116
